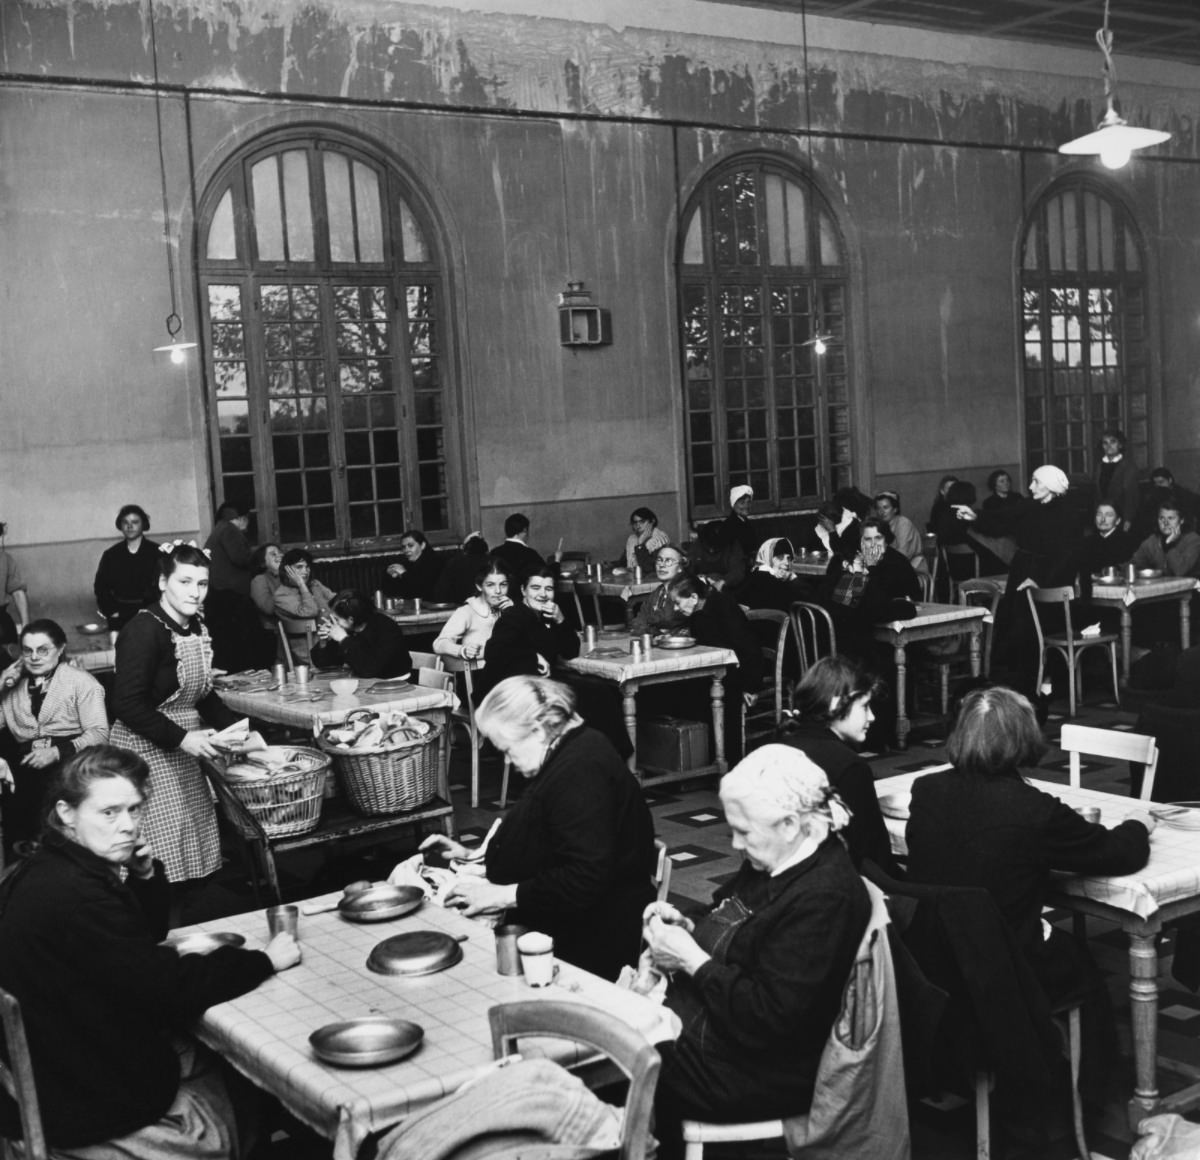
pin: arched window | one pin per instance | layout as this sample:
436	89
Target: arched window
762	275
323	300
1083	289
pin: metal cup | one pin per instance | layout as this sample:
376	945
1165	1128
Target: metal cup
1089	813
647	643
635	649
281	675
508	957
637	574
416	604
589	635
283	918
302	676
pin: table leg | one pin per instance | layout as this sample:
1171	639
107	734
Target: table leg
1126	641
629	703
1185	620
718	712
1143	1014
903	724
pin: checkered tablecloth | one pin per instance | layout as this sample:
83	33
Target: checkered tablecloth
320	707
659	661
265	1034
1171	875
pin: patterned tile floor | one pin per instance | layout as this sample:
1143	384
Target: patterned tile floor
689	819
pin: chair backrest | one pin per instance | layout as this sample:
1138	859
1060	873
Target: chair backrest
925	579
600	1031
815	636
764	721
1115	743
662	870
434	679
1061	596
16	1078
426	660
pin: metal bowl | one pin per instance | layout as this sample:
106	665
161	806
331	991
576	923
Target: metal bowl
380	902
1107	576
202	942
675	642
417	952
437	606
1149	573
366	1042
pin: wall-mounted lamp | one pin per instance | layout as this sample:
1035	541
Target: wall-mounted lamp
580	323
1113	140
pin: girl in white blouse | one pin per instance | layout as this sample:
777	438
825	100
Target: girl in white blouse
470	625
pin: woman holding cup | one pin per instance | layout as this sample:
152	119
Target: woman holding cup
574	856
470	626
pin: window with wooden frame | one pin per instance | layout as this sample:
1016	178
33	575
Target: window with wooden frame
763	286
1083	300
323	302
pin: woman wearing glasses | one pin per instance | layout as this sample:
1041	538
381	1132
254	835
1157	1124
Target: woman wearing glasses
48	711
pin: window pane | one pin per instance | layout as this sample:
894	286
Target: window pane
776	227
337	205
299	207
368	214
415	249
797	222
268	212
693	244
222	241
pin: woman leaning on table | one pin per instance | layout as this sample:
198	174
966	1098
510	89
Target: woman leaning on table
162	700
357	634
105	1007
574	855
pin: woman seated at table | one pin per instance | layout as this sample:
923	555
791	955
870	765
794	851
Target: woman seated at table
657	612
836	529
905	537
758	980
127	578
771	584
1174	549
470	626
1001	493
106	1010
299	598
356	634
833	701
717	557
575	854
982	824
48	710
415	575
643	541
264	583
456	583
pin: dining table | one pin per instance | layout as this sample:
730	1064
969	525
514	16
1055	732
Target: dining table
611	659
932	622
810	564
619	584
429	616
265	1034
1141	904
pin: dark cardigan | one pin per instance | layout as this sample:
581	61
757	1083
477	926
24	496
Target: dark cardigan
419	580
522	635
722	623
378	651
126	581
579	843
100	998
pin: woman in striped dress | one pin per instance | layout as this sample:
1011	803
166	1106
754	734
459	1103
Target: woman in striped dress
162	698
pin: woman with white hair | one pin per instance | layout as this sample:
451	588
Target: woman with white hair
757	981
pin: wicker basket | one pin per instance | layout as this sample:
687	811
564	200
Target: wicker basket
386	781
286	803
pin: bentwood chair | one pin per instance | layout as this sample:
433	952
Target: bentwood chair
292	631
1068	644
16	1078
763	718
595	1029
815	635
464	717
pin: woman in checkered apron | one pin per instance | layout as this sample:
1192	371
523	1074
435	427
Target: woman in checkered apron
163	693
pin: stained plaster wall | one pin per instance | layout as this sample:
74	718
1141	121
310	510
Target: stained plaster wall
554	141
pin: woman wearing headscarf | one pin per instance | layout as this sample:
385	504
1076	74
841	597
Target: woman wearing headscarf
736	527
1049	543
771	584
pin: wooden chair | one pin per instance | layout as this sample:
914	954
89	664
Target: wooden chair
1070	646
763	718
433	679
290	628
815	635
925	579
958	552
983	592
464	717
662	870
16	1078
426	660
1076	740
599	1031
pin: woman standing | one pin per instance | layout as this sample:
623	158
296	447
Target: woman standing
127	578
49	710
574	856
162	698
470	626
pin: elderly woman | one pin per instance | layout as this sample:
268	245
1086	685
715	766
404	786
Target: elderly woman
357	634
103	1004
757	981
982	824
736	528
771	584
470	626
833	701
574	855
905	537
127	578
657	613
162	698
299	598
49	710
645	538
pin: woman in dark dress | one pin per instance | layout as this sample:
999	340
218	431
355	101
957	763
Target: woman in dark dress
575	854
771	584
358	635
127	578
657	613
106	1009
834	704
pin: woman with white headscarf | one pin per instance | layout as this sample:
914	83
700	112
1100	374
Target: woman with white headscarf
1049	543
771	584
736	528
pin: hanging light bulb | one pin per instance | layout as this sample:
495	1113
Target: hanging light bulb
176	348
1114	139
819	345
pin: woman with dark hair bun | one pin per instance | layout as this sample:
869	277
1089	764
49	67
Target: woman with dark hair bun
162	699
127	578
358	635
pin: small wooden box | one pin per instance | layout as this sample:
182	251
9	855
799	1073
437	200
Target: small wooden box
672	744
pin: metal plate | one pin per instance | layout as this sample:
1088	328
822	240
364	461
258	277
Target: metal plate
202	942
91	629
1149	574
437	606
675	642
417	952
1178	815
380	902
366	1042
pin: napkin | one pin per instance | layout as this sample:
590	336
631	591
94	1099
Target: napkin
239	738
1091	630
